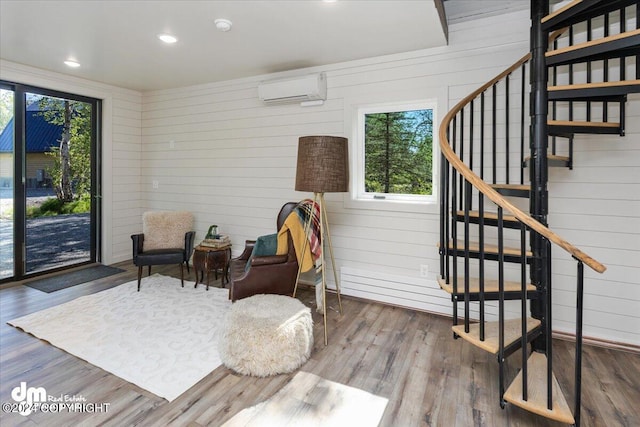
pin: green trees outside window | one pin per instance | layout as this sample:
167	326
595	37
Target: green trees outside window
71	170
398	149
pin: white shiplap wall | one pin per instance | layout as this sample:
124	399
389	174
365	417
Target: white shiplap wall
215	150
121	148
596	206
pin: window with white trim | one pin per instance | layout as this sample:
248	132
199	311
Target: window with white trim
395	152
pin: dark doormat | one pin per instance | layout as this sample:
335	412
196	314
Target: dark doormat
67	280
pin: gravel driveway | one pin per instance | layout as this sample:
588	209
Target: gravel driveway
51	242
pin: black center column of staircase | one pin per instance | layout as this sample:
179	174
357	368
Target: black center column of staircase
538	171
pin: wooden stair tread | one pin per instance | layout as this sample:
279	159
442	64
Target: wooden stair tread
580	11
551	157
490	249
594	42
556	157
553	160
594	85
489	286
490	219
537	392
582	124
615	91
592	48
489	215
491	343
512	190
560	11
522	187
562	128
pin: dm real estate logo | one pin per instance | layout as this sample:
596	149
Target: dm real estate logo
35	399
28	398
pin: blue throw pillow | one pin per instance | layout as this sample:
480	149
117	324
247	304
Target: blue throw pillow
265	245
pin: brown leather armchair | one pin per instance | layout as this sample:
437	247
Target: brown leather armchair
272	274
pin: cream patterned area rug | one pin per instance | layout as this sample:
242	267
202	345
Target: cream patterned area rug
163	339
308	401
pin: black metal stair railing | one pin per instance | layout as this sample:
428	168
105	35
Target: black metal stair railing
594	103
473	148
477	154
457	192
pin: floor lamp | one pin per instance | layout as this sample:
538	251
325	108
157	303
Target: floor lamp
323	167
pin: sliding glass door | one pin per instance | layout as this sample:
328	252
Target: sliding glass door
53	190
7	160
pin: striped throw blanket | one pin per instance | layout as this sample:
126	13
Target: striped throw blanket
311	239
305	209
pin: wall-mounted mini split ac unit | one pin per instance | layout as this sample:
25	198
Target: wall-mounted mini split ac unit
307	90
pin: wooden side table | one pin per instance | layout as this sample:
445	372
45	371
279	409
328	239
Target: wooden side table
208	259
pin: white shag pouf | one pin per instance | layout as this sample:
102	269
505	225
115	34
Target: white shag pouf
266	335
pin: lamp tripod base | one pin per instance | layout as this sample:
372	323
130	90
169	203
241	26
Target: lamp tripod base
324	232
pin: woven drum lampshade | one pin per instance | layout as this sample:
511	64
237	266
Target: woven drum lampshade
323	164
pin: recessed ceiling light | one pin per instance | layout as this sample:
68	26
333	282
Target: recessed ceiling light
167	38
329	1
223	25
72	63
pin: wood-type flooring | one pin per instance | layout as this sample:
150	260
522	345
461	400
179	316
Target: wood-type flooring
406	356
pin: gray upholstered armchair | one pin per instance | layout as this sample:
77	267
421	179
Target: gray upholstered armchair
166	238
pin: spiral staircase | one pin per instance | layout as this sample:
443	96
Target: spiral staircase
497	145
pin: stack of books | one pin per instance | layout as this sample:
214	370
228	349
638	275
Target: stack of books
221	242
